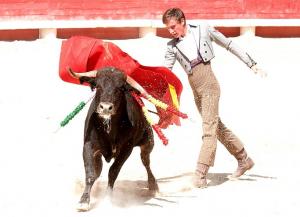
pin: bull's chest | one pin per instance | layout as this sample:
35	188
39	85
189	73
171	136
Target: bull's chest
115	150
115	140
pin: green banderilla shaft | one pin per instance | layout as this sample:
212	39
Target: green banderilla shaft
72	114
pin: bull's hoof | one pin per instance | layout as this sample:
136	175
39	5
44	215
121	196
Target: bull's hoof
83	207
153	188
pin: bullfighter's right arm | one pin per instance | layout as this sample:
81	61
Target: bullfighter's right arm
170	56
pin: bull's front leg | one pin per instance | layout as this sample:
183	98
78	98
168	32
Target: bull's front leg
93	166
117	165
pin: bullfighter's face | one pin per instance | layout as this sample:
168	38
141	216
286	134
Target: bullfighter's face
176	28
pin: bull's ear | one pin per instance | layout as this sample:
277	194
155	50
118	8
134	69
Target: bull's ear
132	109
128	88
89	80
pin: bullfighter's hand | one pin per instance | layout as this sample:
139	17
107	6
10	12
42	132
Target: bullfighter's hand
259	71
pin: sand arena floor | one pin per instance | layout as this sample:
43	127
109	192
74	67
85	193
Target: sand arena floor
42	172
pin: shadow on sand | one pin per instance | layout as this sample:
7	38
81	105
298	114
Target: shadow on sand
128	193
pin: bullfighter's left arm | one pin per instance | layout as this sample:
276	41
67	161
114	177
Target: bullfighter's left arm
228	44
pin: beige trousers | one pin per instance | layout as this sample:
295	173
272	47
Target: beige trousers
206	92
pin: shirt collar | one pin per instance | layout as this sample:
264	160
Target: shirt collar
187	32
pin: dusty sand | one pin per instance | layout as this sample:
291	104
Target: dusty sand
42	172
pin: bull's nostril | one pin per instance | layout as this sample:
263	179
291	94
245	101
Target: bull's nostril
106	107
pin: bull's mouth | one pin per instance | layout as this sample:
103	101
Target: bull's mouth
106	118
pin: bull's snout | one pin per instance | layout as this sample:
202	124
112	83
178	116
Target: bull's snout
105	109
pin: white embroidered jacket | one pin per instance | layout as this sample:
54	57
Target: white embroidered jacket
200	38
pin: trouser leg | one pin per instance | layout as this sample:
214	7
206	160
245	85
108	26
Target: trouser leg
206	94
210	119
208	107
234	145
231	142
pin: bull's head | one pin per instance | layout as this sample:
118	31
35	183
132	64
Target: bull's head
111	84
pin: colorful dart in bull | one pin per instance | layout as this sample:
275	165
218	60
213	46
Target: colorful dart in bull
72	114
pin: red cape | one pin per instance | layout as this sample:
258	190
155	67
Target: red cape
85	54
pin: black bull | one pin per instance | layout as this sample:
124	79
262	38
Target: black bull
114	125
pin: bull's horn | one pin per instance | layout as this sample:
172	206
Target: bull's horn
136	85
78	75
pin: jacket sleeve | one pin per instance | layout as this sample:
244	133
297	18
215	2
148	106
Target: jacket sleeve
228	44
170	56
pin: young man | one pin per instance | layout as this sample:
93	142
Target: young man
192	47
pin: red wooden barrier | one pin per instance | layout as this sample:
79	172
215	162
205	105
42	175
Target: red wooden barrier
148	9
